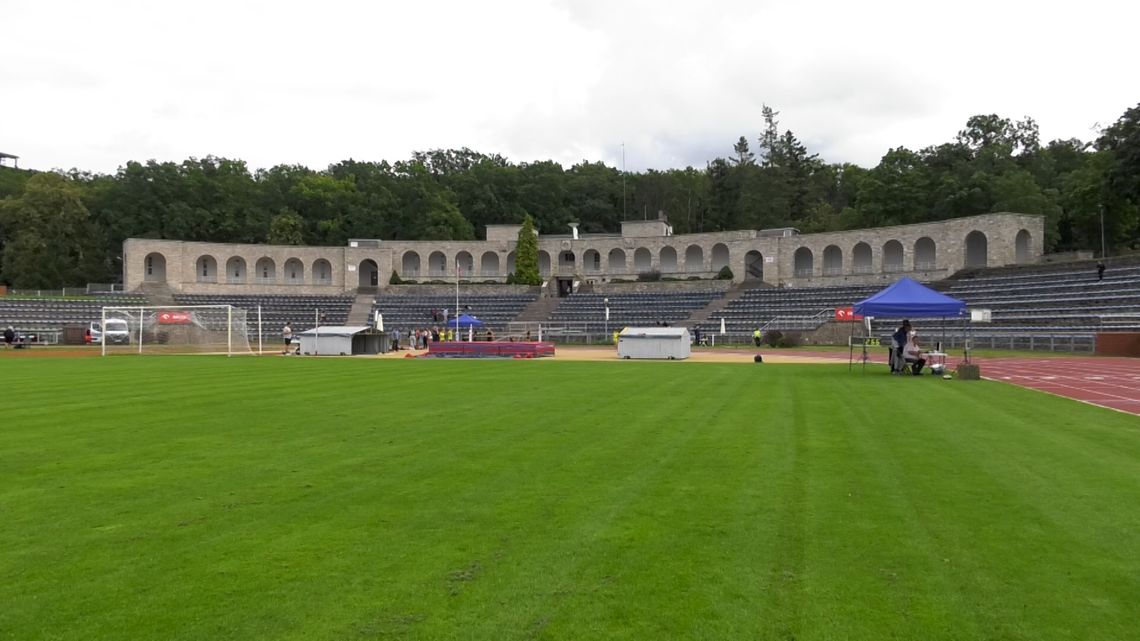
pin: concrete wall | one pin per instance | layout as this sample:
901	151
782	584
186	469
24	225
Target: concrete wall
926	251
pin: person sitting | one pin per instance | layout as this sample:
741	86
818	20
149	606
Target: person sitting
913	354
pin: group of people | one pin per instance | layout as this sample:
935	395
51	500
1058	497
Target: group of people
907	350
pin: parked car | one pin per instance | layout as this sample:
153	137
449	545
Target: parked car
116	331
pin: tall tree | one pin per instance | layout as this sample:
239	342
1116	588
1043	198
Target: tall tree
51	239
526	254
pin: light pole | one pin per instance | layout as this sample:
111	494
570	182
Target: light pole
1101	208
606	302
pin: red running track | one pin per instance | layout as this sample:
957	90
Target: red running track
1105	381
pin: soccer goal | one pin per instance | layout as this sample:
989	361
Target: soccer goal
187	329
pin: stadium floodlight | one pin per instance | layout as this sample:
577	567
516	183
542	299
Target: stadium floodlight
185	329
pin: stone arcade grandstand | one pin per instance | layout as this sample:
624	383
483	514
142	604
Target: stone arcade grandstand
785	281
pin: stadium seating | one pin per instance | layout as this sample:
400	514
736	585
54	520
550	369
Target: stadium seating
630	309
300	311
408	309
36	316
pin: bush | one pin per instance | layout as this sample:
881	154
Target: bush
395	279
724	274
651	276
773	337
693	278
511	279
791	339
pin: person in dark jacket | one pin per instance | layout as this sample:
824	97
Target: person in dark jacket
9	336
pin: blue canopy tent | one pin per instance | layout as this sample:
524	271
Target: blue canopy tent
463	320
907	298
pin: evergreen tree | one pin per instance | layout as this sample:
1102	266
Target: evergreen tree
526	255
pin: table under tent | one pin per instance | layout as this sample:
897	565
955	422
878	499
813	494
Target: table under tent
338	340
906	299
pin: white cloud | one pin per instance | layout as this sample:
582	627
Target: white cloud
94	84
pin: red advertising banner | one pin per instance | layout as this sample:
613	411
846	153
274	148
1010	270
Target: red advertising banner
174	318
847	315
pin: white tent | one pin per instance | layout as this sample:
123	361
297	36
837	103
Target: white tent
654	342
335	340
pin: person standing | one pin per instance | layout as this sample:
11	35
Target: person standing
9	336
287	336
898	343
756	337
1100	270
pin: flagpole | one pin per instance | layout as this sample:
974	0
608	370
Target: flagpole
456	297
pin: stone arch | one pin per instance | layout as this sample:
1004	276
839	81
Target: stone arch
154	268
720	256
753	265
1021	247
410	265
369	273
694	259
265	270
668	259
294	272
437	265
566	261
206	269
489	264
616	261
322	272
543	263
235	270
892	256
510	262
803	263
592	260
861	260
642	259
977	249
832	261
925	254
464	264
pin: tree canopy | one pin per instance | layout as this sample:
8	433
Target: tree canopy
67	228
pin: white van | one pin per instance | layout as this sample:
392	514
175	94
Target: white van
116	331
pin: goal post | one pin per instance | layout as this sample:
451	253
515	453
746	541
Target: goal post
182	329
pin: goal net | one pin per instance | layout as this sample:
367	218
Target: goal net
188	329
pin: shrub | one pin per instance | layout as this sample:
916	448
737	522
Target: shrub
791	339
694	278
651	276
773	337
511	279
724	274
395	279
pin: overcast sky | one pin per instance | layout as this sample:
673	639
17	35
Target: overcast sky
92	84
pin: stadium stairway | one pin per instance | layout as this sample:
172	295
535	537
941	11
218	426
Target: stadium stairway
540	310
701	315
360	312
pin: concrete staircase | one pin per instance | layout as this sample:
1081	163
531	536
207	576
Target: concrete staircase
736	291
361	310
157	294
540	310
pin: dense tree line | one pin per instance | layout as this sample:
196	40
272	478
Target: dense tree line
67	228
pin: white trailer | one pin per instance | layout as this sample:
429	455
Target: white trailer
668	343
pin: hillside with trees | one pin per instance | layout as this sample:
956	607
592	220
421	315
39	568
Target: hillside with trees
67	228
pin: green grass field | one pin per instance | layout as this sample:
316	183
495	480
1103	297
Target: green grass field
299	498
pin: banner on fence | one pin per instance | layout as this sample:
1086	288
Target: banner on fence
174	318
847	315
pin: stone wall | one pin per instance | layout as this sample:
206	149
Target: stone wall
926	251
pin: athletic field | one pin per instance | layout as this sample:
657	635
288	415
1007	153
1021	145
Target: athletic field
309	499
